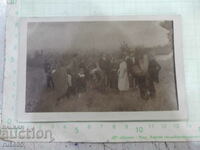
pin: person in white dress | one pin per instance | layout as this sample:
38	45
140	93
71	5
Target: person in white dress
123	82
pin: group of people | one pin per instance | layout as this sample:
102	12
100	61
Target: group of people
129	71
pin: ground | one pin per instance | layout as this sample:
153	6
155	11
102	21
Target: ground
41	99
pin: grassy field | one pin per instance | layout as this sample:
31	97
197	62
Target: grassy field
41	99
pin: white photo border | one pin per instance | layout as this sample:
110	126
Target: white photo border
180	114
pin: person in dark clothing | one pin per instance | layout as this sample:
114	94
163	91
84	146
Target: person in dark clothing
114	74
49	75
141	75
142	86
150	87
154	69
130	64
153	76
105	66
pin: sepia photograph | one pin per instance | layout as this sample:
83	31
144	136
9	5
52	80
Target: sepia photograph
100	65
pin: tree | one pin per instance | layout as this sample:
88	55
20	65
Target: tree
168	25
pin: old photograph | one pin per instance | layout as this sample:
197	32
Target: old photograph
101	66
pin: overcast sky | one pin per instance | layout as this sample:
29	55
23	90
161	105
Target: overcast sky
99	35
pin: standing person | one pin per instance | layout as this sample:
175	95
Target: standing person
140	71
81	82
153	75
49	75
123	82
105	66
108	71
98	78
68	86
154	69
114	76
133	59
130	64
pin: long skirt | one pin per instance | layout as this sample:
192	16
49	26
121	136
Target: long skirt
123	83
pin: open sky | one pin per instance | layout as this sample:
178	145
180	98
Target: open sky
103	36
